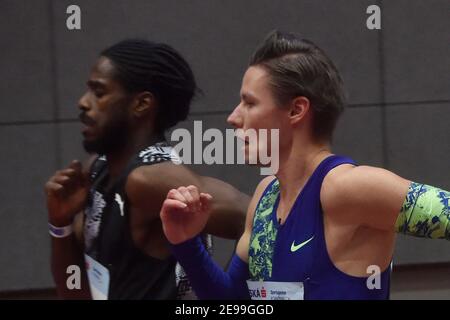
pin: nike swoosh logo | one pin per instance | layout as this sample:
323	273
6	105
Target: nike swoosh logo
296	247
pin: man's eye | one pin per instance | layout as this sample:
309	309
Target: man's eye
99	93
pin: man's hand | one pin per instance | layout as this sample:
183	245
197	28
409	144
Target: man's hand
66	194
185	213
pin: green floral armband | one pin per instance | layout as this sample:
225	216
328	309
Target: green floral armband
425	212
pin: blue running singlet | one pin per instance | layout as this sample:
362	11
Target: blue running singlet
296	252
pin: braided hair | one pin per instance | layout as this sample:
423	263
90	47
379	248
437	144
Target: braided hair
142	65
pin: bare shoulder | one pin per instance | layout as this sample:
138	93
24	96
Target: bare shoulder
363	194
354	181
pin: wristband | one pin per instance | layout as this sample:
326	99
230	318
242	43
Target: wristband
60	232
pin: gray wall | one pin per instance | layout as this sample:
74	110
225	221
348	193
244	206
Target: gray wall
397	80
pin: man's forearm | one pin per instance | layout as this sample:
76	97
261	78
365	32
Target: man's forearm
70	283
229	208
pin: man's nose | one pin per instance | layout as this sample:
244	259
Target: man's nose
83	103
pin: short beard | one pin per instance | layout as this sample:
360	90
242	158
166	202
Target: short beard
114	137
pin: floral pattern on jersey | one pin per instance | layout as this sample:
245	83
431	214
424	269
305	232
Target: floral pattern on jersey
264	234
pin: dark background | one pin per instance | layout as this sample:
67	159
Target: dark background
397	80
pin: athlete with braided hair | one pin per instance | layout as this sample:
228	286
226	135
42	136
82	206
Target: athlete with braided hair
104	217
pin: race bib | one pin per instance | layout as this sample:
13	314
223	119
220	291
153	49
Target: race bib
98	277
271	290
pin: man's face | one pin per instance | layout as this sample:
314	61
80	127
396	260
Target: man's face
259	110
104	107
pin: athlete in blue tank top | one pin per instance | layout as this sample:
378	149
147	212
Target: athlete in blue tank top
295	252
322	228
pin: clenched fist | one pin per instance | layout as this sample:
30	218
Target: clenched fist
185	213
66	192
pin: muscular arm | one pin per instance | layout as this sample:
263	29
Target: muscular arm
147	188
364	196
229	207
379	199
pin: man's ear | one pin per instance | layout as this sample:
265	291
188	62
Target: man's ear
144	103
298	109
